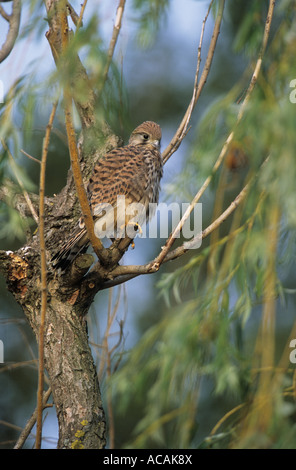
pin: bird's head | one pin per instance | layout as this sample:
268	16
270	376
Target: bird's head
146	133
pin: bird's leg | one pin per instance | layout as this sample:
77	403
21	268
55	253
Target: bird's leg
137	228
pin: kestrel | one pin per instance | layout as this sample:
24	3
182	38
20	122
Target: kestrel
124	186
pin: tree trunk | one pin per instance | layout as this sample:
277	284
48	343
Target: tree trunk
68	359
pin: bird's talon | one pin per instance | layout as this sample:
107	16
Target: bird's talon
138	228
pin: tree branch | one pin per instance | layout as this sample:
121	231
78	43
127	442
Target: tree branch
122	274
116	30
25	194
43	278
198	85
4	15
14	24
85	102
172	237
260	57
29	426
85	208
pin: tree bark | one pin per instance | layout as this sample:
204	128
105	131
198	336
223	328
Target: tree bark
68	359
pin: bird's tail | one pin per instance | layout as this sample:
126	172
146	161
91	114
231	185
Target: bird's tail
77	245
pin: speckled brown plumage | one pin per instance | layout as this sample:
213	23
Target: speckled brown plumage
133	171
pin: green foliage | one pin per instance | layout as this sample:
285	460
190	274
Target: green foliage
36	23
151	13
213	337
27	104
247	20
200	373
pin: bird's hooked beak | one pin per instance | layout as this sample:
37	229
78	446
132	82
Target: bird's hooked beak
156	144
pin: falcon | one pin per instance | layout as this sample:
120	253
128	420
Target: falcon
122	192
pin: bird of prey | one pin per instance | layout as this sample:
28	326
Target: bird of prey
122	190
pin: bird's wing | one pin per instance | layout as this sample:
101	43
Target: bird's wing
119	182
123	172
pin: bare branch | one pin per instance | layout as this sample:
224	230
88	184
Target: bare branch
77	20
122	274
10	195
198	85
198	195
124	271
84	102
194	201
79	184
85	208
43	278
29	426
79	268
260	57
116	30
30	156
14	24
79	23
26	195
4	15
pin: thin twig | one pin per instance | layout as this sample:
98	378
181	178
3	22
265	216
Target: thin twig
74	16
157	262
225	417
85	208
31	422
14	24
43	278
229	139
260	58
15	171
4	14
79	22
154	266
122	274
115	34
30	156
110	319
106	358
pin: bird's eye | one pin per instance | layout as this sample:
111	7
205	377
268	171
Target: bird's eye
145	136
